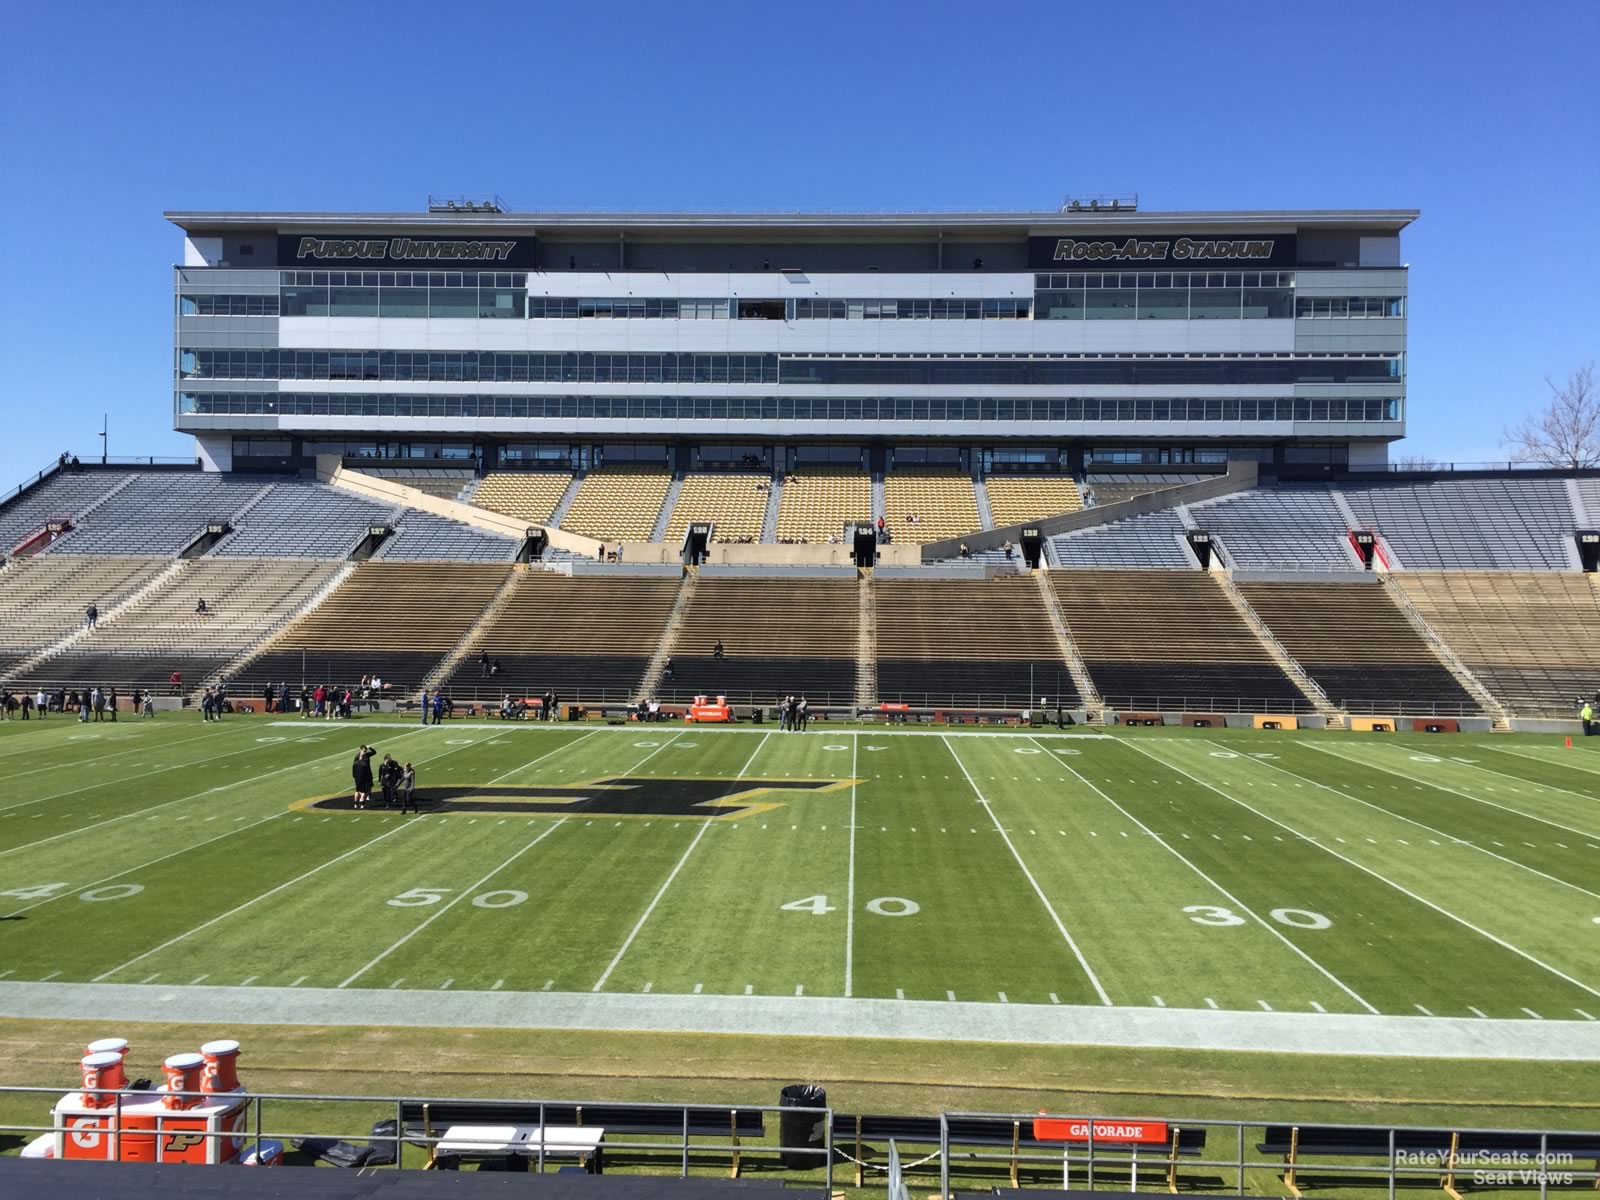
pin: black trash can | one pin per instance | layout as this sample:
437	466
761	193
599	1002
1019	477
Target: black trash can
803	1135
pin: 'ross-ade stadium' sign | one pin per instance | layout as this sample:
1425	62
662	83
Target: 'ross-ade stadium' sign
1168	249
321	250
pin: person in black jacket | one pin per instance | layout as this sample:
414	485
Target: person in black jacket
388	779
361	775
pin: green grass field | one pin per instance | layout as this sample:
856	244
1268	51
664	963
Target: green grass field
1192	870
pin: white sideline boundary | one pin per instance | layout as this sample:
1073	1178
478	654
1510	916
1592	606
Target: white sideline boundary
635	729
813	1016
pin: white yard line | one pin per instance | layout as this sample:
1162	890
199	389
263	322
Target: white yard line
1410	821
1094	979
1549	762
662	891
238	908
121	779
645	916
1366	762
451	903
153	747
1444	912
634	730
1238	904
850	886
180	800
16	912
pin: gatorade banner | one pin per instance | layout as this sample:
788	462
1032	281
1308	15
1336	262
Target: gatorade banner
1063	1129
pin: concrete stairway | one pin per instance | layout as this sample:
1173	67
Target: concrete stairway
769	523
1076	667
657	668
664	517
566	500
866	640
1441	649
1286	661
980	489
474	634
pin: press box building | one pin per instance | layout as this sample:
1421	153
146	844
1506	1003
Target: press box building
1080	339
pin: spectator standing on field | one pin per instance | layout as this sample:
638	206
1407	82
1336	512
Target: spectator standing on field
424	706
149	703
111	703
27	704
408	786
1586	715
438	708
361	776
388	779
42	703
266	695
98	699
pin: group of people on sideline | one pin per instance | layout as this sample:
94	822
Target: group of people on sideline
90	703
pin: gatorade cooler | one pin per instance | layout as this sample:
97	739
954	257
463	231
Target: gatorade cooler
103	1078
221	1070
108	1046
183	1075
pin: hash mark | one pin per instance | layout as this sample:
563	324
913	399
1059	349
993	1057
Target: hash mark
749	989
1583	1014
1478	1012
298	982
899	993
397	983
648	986
1210	1003
949	995
1003	999
250	980
1054	999
446	984
1265	1007
148	978
1160	1003
1422	1010
698	987
1533	1014
198	979
1318	1007
799	989
548	984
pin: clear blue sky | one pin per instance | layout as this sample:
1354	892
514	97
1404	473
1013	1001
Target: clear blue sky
1484	116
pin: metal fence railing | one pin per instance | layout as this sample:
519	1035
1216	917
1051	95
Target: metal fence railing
1052	1151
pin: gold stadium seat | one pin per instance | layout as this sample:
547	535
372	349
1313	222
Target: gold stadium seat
527	495
1014	499
942	501
736	504
817	501
618	503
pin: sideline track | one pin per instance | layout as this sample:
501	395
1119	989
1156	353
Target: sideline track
811	1016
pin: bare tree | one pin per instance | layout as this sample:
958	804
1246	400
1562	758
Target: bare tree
1418	462
1566	432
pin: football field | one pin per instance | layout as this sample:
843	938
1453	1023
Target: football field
1192	871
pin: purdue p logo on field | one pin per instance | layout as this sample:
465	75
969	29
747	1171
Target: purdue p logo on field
616	796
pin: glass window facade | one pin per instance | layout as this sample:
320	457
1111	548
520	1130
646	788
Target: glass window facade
1358	307
1164	295
433	294
227	306
795	408
532	367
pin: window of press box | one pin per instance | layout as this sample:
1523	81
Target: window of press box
633	453
762	310
256	447
825	455
930	456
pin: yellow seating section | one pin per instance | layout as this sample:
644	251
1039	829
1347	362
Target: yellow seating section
405	606
943	501
1014	499
817	501
1529	636
736	504
618	503
527	495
